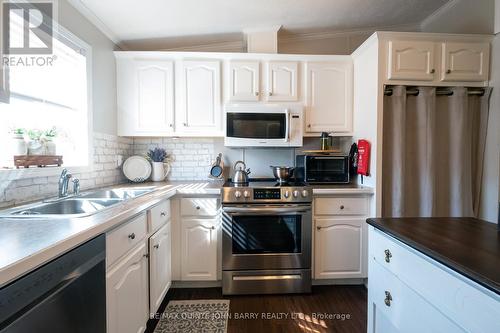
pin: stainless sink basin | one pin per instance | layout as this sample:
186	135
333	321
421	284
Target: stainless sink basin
69	207
119	193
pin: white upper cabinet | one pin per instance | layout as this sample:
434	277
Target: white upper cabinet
465	61
282	82
200	111
329	97
411	60
145	97
244	81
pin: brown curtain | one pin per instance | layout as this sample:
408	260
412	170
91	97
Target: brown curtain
433	152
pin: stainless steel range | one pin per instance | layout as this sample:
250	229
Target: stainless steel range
266	244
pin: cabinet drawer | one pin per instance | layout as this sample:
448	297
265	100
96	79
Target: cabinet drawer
340	206
158	216
464	301
395	306
124	238
199	206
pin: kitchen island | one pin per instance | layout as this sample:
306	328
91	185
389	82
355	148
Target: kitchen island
445	269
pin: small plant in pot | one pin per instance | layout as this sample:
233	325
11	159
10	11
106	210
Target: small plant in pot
35	146
49	136
19	146
159	161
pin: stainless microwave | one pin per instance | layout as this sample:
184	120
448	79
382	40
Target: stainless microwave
263	126
322	169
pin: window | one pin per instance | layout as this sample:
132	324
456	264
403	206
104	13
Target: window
51	95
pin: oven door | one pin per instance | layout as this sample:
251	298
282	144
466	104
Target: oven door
266	237
257	128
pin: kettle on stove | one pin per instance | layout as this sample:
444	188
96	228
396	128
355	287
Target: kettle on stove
240	173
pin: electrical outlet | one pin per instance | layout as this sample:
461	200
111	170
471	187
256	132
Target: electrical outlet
119	161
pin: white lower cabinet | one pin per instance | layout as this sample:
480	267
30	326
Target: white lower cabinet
410	292
127	293
340	236
198	249
339	248
160	270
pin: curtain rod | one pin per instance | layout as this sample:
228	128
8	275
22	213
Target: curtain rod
439	91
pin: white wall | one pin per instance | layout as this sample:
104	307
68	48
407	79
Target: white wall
462	16
103	63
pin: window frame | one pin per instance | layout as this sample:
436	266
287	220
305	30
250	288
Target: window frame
11	174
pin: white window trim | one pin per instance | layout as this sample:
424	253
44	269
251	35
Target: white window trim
13	174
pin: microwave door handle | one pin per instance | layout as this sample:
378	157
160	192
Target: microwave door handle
287	126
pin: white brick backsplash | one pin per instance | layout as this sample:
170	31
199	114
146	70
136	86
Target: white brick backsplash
105	172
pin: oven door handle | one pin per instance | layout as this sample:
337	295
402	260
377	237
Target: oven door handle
267	210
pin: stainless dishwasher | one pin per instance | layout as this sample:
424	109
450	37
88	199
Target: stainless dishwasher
66	295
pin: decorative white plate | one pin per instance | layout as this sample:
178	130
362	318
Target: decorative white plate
137	169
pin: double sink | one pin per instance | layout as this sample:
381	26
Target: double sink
78	206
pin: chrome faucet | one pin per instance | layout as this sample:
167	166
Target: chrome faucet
63	183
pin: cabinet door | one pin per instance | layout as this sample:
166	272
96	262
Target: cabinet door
127	293
244	81
200	108
411	60
145	97
339	248
329	97
198	249
282	81
160	272
465	61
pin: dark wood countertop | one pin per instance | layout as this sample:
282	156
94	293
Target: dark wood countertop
469	246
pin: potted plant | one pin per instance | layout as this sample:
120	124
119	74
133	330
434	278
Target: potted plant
160	168
48	138
18	142
35	146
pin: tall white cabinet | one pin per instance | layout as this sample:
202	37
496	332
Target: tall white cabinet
200	98
329	97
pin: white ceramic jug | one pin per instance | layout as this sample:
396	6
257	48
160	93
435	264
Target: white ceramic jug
159	171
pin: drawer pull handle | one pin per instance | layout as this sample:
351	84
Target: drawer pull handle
163	214
342	207
198	207
388	256
156	246
388	298
131	236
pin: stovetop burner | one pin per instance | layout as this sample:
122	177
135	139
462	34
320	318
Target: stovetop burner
266	182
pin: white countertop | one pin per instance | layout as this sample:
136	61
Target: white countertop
27	243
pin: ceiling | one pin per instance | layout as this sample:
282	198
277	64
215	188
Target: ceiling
148	19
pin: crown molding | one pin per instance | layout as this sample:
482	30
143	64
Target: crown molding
89	15
227	46
438	12
343	33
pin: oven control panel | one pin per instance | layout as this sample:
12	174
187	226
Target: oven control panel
267	194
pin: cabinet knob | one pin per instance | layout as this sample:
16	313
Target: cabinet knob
184	124
270	93
171	125
256	93
146	255
213	228
318	228
448	71
388	298
342	207
163	214
198	207
309	126
433	71
156	246
131	236
388	255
